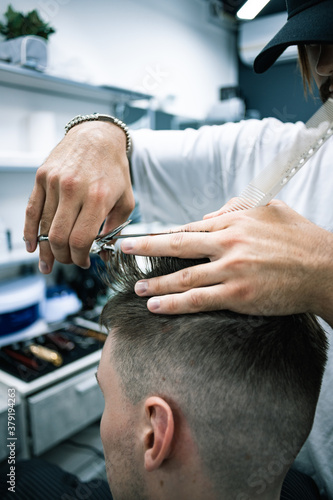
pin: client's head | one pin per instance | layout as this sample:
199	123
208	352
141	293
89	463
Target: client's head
206	405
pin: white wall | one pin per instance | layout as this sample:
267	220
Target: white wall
157	46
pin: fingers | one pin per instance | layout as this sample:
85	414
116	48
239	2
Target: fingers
46	254
210	225
83	234
225	209
70	224
186	245
37	218
201	275
46	258
32	217
71	228
118	215
277	203
120	212
197	299
90	218
191	241
211	215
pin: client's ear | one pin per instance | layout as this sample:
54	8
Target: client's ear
159	432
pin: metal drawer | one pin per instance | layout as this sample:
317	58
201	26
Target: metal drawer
64	409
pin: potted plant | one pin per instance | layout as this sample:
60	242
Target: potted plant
25	39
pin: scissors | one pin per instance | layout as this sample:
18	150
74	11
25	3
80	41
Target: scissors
102	241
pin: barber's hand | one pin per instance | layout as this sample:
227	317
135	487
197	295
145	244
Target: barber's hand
264	261
84	180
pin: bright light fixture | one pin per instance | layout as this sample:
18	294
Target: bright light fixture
251	8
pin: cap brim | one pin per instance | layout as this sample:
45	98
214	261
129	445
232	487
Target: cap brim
312	25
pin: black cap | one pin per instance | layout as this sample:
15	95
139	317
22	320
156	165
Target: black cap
309	21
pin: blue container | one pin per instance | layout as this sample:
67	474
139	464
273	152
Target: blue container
21	302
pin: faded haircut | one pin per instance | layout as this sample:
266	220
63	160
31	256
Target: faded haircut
248	386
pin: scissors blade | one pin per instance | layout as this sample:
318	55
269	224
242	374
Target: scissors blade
110	236
102	241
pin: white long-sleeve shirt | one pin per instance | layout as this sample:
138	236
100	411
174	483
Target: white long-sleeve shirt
181	175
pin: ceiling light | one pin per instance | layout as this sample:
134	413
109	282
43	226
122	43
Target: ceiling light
251	8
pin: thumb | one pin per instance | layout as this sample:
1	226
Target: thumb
120	212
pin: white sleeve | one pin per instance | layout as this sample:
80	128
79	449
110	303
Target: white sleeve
176	174
180	175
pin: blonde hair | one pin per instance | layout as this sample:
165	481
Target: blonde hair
305	70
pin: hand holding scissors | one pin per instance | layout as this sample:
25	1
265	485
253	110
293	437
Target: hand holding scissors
102	241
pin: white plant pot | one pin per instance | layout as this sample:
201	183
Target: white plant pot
28	51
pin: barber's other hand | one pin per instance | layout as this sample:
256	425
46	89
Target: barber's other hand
84	180
264	261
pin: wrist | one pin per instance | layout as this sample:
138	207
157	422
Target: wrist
98	117
104	134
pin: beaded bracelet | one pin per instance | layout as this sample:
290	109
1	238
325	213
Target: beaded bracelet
106	118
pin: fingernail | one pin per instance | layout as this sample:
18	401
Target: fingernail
28	246
128	244
43	267
154	304
141	287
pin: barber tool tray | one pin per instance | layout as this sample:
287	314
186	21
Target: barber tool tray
53	375
59	347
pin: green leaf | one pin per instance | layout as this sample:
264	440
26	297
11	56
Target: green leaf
19	24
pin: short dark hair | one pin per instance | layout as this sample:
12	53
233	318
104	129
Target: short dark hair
248	386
